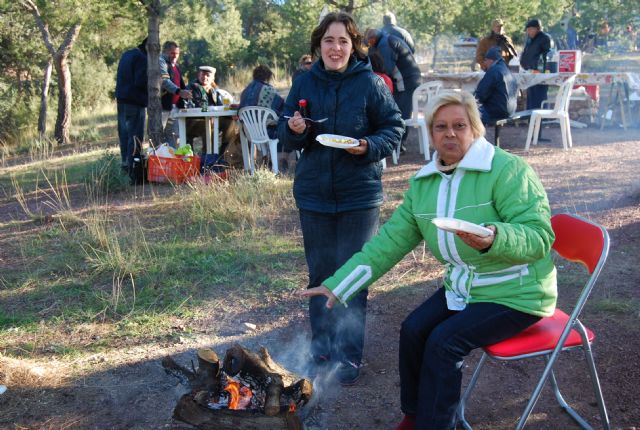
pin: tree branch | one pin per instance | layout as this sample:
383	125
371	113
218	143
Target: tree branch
69	39
33	9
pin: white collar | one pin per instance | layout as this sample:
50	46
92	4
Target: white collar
478	157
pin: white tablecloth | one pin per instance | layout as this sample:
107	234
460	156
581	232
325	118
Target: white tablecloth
469	81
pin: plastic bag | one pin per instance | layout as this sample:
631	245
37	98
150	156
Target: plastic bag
165	150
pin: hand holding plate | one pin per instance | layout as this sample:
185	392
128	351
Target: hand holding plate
478	242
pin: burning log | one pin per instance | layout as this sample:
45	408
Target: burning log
246	390
278	380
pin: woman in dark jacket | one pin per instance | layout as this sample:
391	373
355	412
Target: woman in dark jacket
339	191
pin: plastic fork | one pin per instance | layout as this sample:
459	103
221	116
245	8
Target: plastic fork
309	119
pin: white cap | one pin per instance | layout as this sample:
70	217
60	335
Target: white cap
208	69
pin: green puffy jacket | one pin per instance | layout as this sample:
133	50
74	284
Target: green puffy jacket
489	186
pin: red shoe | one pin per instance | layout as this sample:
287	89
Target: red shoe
407	423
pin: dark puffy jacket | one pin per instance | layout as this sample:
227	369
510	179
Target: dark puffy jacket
535	50
131	78
498	91
396	53
357	104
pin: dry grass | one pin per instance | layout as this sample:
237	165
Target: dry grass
26	373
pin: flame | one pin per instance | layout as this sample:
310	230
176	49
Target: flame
239	396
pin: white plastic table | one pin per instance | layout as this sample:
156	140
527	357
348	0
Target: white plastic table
214	114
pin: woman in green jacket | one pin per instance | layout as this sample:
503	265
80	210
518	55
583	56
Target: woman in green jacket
494	286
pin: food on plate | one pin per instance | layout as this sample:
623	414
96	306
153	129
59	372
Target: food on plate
340	140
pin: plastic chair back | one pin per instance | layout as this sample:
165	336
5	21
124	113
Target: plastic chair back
564	93
421	96
255	119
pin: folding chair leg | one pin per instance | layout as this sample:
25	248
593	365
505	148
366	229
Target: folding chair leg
467	392
563	403
595	381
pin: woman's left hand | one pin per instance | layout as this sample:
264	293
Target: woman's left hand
478	242
359	150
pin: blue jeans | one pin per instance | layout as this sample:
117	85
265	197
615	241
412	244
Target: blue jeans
329	241
433	342
131	120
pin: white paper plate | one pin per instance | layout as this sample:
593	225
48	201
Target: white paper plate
337	141
454	225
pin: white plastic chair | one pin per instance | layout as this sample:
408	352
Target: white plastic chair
255	120
421	96
560	112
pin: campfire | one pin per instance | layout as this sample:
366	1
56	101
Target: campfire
245	390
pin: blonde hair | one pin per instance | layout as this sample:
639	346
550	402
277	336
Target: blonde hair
460	98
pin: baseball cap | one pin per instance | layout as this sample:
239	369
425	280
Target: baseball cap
207	69
535	22
493	54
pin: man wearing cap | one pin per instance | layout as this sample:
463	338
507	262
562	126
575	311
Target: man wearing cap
497	91
534	57
205	93
496	38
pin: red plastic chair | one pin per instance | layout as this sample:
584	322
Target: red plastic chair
577	240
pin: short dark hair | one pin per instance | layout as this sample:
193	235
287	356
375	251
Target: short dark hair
262	73
169	44
352	31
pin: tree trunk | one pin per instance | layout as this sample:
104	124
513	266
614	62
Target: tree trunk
63	120
44	98
154	108
60	56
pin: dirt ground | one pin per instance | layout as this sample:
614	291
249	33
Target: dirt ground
598	179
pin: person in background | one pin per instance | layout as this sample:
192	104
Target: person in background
260	92
494	286
132	98
534	57
338	191
377	64
304	65
496	38
497	91
173	89
389	26
205	93
400	65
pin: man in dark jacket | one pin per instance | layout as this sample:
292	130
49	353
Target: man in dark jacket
131	95
497	91
400	66
534	57
390	27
